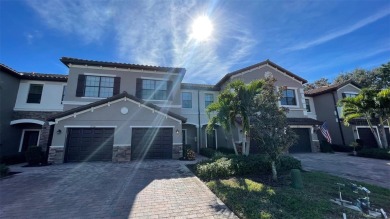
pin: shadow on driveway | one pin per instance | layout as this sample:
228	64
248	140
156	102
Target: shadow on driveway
148	189
372	171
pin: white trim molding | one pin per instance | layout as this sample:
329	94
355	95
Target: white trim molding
57	146
19	121
75	102
122	145
347	85
98	74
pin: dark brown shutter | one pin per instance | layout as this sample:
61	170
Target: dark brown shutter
138	88
117	85
80	86
170	94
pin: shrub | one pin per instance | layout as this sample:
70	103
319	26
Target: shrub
4	170
34	155
13	159
325	147
226	150
378	153
232	165
286	163
207	152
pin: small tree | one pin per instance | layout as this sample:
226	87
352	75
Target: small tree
369	104
235	101
269	125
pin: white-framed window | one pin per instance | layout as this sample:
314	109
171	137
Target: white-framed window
289	97
208	99
99	86
154	89
35	93
186	99
307	103
344	95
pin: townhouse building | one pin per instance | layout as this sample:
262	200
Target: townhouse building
108	111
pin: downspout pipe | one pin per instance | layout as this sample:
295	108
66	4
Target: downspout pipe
338	118
199	128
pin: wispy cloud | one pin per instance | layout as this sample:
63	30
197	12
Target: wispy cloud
32	36
87	19
342	32
156	32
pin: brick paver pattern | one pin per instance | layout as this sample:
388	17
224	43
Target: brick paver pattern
149	189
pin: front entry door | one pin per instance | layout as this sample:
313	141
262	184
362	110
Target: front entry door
30	138
211	140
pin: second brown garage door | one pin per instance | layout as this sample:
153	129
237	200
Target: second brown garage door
151	143
89	144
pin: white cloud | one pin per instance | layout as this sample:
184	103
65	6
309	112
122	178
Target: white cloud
342	32
156	32
32	36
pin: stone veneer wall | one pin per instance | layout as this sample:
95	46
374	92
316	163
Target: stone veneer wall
177	151
121	154
56	155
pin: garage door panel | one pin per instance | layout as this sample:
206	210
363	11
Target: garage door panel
90	144
367	137
303	143
152	143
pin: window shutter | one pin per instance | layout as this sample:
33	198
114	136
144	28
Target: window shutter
343	95
138	88
169	86
117	85
80	86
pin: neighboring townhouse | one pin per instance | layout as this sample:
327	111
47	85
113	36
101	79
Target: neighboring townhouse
27	99
107	111
303	123
326	101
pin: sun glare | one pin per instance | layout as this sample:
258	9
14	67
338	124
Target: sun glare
202	28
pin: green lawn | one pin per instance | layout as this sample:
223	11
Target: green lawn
251	199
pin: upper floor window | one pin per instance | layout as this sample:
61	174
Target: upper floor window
208	99
307	102
349	95
35	93
289	97
186	99
154	89
97	86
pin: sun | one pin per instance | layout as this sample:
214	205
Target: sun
202	28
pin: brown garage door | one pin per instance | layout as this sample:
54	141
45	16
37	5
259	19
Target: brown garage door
89	144
151	143
303	142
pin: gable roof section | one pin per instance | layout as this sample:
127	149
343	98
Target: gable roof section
9	70
199	87
33	75
70	61
266	62
111	99
43	76
327	89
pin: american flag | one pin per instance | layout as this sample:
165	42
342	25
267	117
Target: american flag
325	132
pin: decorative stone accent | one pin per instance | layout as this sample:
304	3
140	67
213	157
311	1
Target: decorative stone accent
177	151
121	154
315	146
56	155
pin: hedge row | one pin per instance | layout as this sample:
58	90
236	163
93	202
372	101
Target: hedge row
232	165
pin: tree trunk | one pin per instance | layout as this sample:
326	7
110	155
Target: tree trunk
233	143
274	172
374	132
382	133
248	146
243	137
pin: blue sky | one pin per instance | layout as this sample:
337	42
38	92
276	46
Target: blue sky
313	39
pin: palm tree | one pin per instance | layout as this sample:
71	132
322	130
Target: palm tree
236	101
366	105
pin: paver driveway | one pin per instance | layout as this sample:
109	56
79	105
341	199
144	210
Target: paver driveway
372	171
149	189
